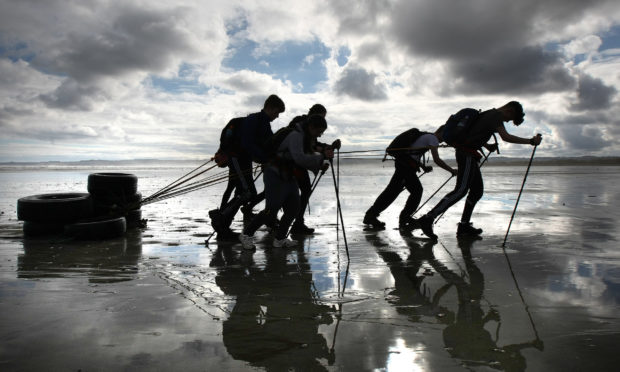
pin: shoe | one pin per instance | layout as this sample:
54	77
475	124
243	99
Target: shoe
284	243
301	228
216	220
247	241
426	224
373	221
408	223
467	229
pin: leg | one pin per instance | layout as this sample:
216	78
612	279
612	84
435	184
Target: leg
387	197
476	190
274	198
290	205
303	181
467	167
230	186
414	186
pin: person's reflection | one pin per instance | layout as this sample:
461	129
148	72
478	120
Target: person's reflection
105	261
410	296
275	320
465	337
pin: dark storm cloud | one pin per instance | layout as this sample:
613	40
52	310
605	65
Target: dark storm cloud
593	94
492	46
530	70
359	83
586	138
136	39
71	95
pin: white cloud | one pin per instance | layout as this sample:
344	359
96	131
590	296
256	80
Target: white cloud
85	73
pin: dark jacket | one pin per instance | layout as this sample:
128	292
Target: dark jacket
255	131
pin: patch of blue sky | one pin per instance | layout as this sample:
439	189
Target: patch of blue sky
611	39
16	52
343	56
185	82
300	63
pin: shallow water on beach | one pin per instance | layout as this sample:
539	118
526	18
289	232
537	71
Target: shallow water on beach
159	298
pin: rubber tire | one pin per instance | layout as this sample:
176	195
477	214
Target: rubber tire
54	208
115	185
97	228
115	206
37	229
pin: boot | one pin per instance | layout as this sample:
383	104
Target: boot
426	224
371	219
467	229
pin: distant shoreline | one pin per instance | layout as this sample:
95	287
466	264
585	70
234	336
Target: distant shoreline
494	160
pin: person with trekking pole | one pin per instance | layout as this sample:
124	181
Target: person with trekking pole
408	149
288	148
252	133
470	132
301	174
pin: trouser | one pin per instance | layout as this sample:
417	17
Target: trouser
279	193
468	182
305	188
240	172
404	177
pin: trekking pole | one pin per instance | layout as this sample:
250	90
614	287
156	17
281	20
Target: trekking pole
339	209
435	193
337	181
317	178
519	197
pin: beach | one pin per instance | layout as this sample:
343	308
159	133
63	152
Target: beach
160	299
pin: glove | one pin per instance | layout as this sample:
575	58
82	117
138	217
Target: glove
427	168
336	144
325	165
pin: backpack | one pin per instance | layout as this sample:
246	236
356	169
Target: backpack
400	145
229	142
457	127
273	143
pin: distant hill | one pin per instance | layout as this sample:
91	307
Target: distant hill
494	160
504	160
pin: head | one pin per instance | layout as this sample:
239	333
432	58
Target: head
316	125
513	111
273	107
439	133
317	109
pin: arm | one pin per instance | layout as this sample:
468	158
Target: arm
295	145
507	137
440	162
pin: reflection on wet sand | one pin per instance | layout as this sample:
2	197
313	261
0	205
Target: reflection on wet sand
275	320
106	261
465	336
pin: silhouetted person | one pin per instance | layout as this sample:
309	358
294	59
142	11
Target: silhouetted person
407	163
254	132
469	179
302	175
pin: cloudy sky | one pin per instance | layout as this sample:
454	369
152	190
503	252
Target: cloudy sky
94	79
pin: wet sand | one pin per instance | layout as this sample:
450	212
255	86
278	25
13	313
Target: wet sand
160	299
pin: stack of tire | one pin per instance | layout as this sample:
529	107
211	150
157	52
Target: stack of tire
116	195
111	205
